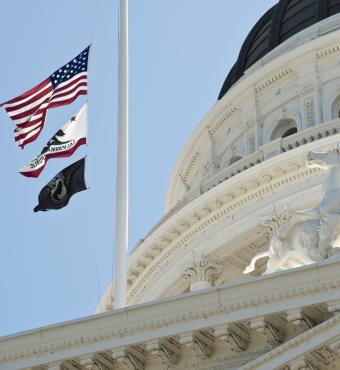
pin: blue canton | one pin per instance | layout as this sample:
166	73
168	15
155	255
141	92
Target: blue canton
69	70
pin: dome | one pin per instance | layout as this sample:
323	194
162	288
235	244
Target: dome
278	24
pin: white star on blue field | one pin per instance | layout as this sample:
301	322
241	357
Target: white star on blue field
69	70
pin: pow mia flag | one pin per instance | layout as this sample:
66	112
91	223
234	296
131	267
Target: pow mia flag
57	193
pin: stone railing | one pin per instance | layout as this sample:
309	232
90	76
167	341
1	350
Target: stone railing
271	149
236	168
311	134
247	319
266	151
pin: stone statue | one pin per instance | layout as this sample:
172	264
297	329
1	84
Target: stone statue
314	234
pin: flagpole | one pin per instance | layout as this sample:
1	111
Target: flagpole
122	180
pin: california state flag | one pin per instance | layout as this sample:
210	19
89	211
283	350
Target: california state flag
63	144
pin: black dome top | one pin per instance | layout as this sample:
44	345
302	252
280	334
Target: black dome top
278	24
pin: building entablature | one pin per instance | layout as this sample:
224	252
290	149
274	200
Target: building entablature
206	225
290	90
233	325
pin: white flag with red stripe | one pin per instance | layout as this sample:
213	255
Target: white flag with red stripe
63	144
29	109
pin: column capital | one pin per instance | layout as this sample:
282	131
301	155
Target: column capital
202	274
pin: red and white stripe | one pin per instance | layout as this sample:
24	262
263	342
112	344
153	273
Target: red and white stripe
29	109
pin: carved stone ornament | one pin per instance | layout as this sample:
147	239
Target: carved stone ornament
314	234
89	363
234	336
202	274
167	350
322	357
54	367
271	224
266	330
129	358
302	364
309	110
299	320
249	125
251	142
201	343
334	307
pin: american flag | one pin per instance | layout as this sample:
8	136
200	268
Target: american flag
29	109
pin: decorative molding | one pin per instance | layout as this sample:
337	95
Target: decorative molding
302	364
271	224
249	125
328	51
201	343
202	274
251	143
55	366
322	357
273	79
129	358
168	320
308	104
188	168
235	336
89	363
293	175
305	90
266	330
334	346
167	350
334	307
242	200
299	319
220	118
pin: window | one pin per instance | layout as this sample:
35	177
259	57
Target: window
284	128
234	159
336	108
290	131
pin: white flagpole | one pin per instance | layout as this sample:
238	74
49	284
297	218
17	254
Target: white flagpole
122	180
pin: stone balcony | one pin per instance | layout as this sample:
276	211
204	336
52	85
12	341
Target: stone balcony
264	152
267	322
273	148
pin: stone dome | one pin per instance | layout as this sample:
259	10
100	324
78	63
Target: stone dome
279	23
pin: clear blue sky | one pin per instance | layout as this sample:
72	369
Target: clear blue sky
180	53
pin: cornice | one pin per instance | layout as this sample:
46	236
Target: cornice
198	310
273	79
221	118
328	51
186	172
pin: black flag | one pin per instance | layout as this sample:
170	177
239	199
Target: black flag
57	193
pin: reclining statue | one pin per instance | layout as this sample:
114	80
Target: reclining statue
314	234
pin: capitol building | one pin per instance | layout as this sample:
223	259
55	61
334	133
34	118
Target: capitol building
243	270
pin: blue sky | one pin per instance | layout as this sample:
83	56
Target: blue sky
180	53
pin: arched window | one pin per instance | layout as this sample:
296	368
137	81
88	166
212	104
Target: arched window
234	159
284	128
336	108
